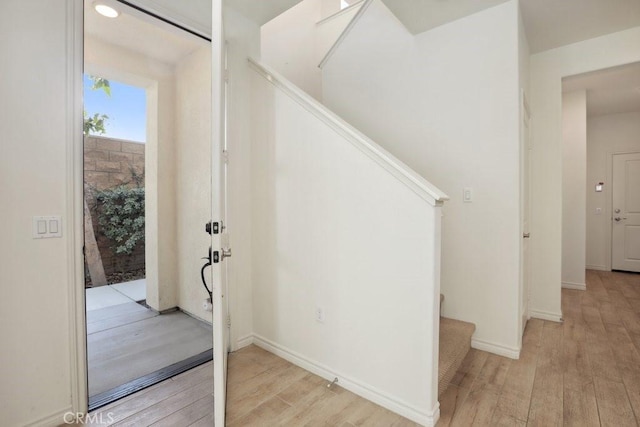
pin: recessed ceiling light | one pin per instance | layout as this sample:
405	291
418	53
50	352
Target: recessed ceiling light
106	10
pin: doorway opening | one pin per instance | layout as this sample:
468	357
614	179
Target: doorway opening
601	176
148	174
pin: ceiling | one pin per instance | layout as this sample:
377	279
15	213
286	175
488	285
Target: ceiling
261	11
549	23
611	91
192	14
140	34
422	15
555	23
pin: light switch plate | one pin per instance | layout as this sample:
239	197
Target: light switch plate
467	195
47	227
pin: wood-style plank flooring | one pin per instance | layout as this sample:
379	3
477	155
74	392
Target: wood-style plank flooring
583	372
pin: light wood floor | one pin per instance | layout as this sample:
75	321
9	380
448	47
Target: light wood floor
583	372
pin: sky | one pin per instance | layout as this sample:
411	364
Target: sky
126	108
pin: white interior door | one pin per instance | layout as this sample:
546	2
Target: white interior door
221	251
625	241
525	174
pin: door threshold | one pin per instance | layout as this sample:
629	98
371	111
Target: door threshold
116	393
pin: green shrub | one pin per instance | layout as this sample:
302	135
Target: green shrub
121	217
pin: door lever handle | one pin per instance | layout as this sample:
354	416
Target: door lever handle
618	219
225	253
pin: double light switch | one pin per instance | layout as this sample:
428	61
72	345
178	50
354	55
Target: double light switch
46	227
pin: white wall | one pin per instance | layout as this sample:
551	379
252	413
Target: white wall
193	175
295	42
331	28
288	44
117	63
330	7
614	133
547	70
38	278
574	191
447	104
337	231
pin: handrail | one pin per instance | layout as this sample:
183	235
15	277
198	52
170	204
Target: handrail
395	167
340	12
346	31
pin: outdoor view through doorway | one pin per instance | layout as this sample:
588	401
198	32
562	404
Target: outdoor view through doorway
147	196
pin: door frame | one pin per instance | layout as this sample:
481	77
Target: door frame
609	206
75	196
525	156
75	207
218	184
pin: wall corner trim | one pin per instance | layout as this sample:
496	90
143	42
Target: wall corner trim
54	419
598	268
499	349
366	391
245	341
576	286
546	315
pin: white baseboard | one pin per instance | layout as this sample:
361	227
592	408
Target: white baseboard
576	286
597	267
364	390
55	419
545	315
499	349
244	341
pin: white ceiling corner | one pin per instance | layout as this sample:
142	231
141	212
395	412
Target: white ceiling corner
554	23
195	15
261	11
138	33
422	15
611	91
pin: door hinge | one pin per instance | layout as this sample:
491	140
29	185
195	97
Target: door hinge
228	321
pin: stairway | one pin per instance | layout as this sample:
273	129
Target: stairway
455	342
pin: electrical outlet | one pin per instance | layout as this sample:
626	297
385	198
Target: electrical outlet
320	314
206	305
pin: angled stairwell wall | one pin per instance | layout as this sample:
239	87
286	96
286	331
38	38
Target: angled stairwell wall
447	102
343	227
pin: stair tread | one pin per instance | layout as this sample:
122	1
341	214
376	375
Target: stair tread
455	341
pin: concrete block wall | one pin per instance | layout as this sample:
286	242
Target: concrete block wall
108	163
111	162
